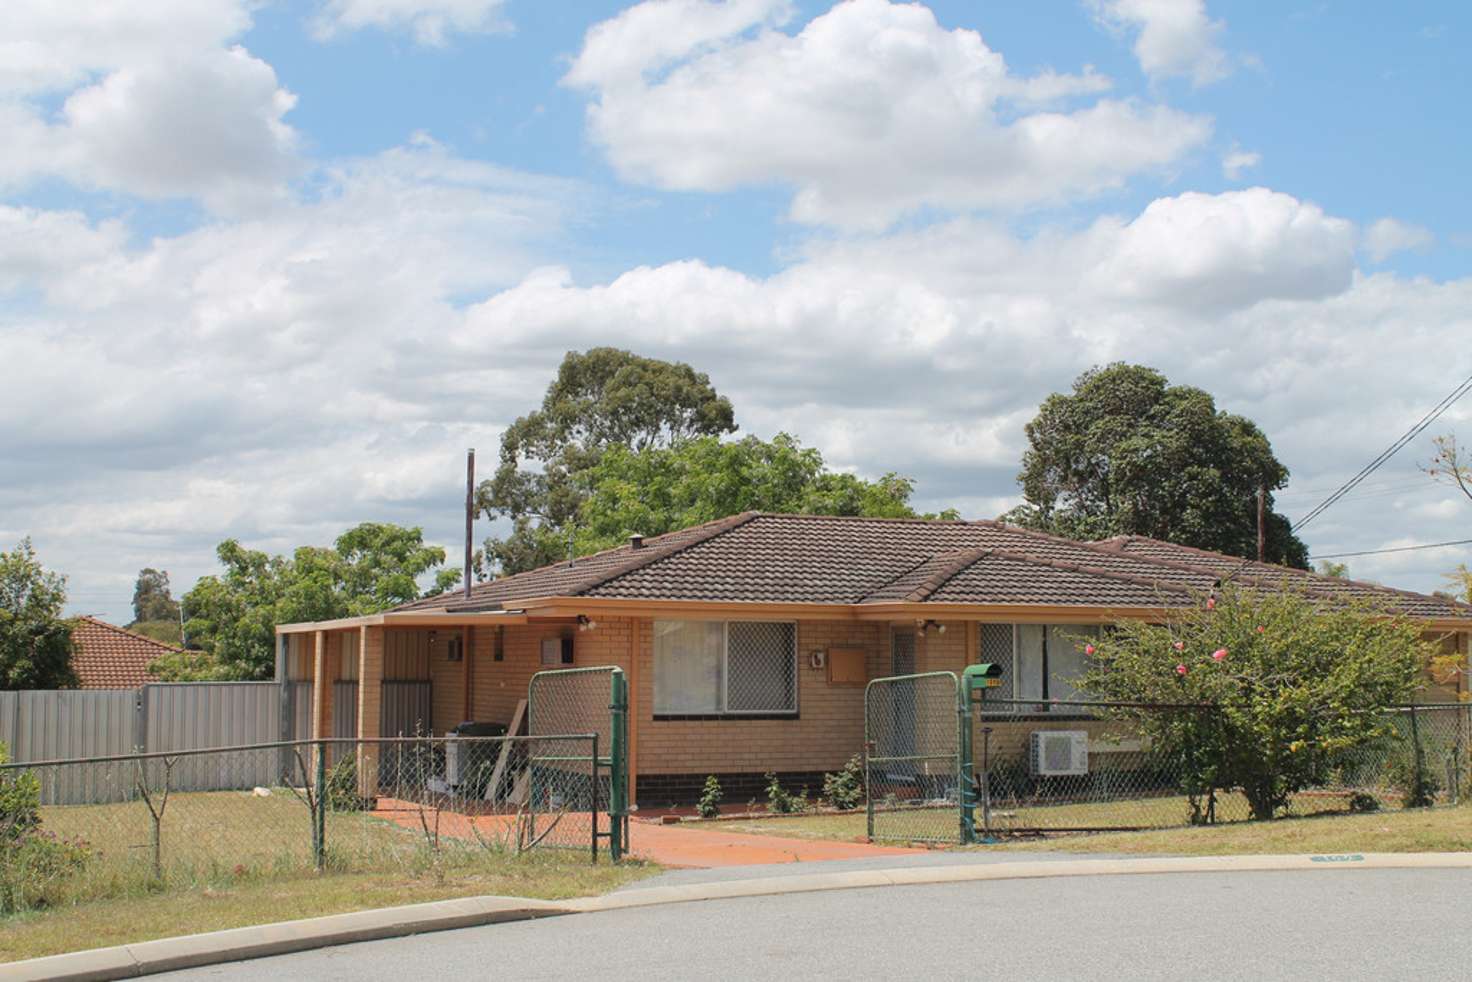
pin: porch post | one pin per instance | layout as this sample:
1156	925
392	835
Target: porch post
321	688
370	700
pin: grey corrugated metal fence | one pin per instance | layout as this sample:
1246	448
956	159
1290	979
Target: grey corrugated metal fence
70	724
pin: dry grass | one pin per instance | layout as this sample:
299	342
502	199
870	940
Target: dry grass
1434	830
929	823
232	858
124	920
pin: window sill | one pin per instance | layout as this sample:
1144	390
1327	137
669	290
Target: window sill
721	717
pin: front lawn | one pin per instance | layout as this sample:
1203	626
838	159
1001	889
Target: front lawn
232	858
897	824
1419	830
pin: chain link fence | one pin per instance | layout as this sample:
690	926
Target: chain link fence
912	763
1088	766
562	785
121	825
939	769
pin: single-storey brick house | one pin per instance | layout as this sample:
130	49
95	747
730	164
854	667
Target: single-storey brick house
747	641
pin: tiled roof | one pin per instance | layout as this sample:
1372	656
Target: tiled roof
1265	574
106	656
758	557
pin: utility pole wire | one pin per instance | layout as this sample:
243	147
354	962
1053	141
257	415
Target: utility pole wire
1431	416
1381	552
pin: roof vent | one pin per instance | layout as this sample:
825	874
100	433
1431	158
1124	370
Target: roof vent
636	541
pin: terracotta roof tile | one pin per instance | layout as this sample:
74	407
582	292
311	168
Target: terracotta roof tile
106	656
838	560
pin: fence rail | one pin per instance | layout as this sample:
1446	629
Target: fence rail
284	808
1029	766
81	723
1106	775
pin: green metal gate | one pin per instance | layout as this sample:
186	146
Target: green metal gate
577	793
916	760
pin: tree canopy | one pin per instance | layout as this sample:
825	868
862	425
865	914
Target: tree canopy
155	611
1127	453
35	640
662	489
601	399
232	617
1293	687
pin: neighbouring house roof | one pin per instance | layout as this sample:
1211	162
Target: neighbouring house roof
767	558
106	656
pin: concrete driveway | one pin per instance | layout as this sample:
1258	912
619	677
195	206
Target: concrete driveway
1341	924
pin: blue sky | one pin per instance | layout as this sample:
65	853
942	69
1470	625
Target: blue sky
267	268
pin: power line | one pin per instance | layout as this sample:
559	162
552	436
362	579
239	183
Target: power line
1381	552
1388	452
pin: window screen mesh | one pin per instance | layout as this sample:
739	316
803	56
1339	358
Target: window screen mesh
687	666
996	647
761	668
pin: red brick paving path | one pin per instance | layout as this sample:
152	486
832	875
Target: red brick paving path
669	845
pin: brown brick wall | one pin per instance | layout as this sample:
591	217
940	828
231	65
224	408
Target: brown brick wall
828	731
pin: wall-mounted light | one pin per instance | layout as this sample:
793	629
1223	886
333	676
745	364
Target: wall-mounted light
927	625
586	623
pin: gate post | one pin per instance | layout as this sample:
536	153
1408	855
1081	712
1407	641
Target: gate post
618	803
965	771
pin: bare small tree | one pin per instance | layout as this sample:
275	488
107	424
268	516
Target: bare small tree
313	797
1451	465
156	807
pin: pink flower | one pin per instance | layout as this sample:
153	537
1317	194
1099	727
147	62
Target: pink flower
1088	649
1180	669
1179	646
1211	603
1261	629
1219	654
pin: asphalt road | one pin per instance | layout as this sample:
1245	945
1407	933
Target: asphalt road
1329	924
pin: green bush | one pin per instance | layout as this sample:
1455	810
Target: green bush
1289	688
20	802
1416	781
845	789
709	805
780	801
342	786
1360	802
33	862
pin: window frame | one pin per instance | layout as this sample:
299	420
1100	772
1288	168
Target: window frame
1042	709
722	712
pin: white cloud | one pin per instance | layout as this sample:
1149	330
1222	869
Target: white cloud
1175	37
281	378
155	101
430	21
1386	237
1237	162
869	112
1229	250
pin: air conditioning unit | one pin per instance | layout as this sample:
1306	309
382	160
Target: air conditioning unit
1059	753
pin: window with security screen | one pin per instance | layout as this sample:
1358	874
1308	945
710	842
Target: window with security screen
735	668
1040	662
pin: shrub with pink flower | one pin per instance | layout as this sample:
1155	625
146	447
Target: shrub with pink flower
1304	670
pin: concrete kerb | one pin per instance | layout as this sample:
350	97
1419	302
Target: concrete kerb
1020	870
237	944
150	957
